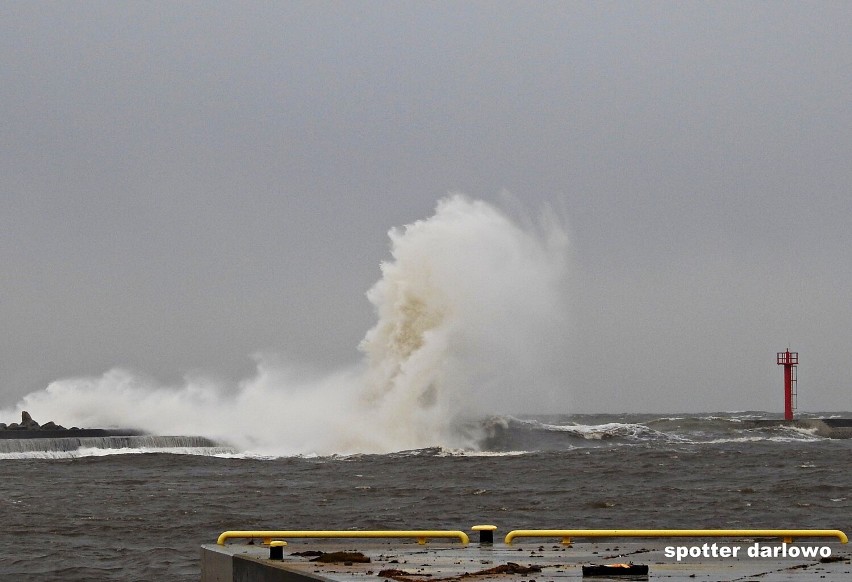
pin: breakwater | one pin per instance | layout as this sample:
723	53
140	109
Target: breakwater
73	443
29	436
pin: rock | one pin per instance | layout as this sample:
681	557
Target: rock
27	421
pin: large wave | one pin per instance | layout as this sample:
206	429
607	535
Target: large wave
471	321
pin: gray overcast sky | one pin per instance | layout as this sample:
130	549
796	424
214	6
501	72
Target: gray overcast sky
185	184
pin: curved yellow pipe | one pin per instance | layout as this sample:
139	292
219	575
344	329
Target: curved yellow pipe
566	534
420	535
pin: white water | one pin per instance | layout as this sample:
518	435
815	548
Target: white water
471	321
74	447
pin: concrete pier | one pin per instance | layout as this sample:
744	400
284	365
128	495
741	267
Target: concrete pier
538	560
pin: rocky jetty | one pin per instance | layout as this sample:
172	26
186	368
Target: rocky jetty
29	439
30	429
27	423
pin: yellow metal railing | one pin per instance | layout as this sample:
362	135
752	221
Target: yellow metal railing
566	534
420	535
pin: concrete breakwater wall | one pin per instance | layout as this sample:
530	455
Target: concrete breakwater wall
67	433
69	443
28	428
31	437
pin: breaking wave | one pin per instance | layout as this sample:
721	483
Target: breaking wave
471	321
497	436
543	433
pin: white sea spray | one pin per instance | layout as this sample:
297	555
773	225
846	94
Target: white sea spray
471	321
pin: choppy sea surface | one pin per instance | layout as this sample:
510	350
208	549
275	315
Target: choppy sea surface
126	514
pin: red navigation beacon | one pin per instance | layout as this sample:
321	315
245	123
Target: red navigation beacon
789	360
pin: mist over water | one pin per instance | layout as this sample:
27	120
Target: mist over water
471	321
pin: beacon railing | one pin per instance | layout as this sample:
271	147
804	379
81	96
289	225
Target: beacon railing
786	535
420	535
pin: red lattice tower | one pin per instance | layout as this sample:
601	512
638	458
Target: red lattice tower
789	360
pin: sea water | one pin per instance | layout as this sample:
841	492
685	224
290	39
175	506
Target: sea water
141	514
